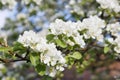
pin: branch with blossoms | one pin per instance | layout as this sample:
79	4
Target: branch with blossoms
68	43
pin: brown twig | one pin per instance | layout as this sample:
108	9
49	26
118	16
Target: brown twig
9	61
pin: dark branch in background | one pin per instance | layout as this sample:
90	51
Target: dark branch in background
21	58
9	61
2	60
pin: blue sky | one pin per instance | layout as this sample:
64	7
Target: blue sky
3	15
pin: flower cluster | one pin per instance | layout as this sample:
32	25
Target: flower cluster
93	26
117	43
21	16
49	55
10	3
74	6
29	39
68	28
110	4
80	31
114	30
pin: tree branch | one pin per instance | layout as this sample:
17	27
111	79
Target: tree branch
28	51
9	61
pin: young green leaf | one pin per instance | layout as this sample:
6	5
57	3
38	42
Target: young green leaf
61	43
76	55
19	47
106	49
35	60
5	49
40	68
50	37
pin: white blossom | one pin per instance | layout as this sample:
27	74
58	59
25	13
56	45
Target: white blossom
94	26
51	71
70	29
110	4
41	46
67	28
79	40
51	57
114	28
21	16
74	6
117	43
29	38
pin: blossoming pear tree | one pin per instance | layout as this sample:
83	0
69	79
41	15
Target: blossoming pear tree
68	43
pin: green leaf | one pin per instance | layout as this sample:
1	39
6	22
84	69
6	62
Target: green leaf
61	43
83	31
5	49
86	63
41	69
50	37
106	49
70	47
76	55
35	60
72	39
46	77
19	47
